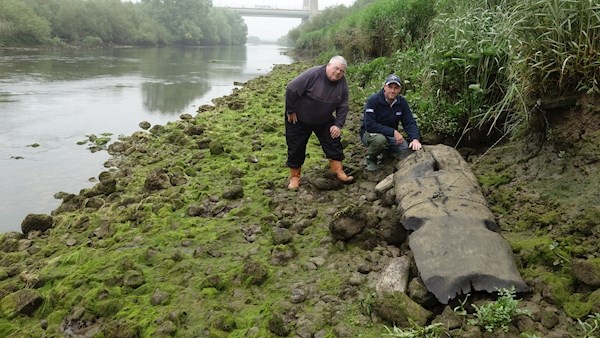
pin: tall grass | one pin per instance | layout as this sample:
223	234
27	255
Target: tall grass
554	51
378	29
475	69
490	62
560	45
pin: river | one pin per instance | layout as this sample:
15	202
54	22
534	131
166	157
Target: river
51	101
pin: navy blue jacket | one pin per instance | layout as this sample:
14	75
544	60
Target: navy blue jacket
382	118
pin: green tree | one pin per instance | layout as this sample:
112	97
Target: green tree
19	25
181	18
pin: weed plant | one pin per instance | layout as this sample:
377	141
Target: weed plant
498	314
590	327
416	331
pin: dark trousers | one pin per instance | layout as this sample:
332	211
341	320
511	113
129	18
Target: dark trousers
297	135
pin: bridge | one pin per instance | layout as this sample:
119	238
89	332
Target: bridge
309	9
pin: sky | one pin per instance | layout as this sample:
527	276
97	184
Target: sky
270	29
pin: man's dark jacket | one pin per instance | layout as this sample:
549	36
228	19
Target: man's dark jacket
382	118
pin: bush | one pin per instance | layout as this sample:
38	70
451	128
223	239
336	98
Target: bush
498	314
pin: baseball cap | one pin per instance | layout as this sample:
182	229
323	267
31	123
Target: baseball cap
393	78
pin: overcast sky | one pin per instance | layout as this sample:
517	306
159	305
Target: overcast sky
271	29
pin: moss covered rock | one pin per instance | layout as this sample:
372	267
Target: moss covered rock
399	309
587	271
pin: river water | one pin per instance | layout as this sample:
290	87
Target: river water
51	101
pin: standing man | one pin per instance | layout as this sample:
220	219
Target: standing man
383	112
310	100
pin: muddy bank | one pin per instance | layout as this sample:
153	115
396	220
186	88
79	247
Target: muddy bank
191	232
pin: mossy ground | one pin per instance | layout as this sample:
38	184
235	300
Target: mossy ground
140	262
544	190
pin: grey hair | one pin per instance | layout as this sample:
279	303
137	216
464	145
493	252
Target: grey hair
338	59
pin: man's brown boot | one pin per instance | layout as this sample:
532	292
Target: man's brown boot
294	178
337	169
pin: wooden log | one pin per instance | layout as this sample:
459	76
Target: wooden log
455	246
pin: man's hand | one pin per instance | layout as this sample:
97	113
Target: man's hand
335	131
292	118
398	137
415	145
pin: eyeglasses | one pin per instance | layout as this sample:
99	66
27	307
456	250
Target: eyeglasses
338	69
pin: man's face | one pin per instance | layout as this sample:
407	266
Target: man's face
335	71
391	91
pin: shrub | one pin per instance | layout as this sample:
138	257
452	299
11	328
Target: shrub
498	314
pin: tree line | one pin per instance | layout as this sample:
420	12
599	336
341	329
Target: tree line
100	22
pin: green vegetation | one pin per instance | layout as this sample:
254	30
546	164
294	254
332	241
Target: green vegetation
417	331
96	23
499	313
474	70
591	326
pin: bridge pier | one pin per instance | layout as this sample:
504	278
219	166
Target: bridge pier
312	6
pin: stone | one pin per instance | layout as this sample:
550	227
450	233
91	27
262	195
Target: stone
144	125
23	302
419	293
281	236
449	318
454	247
133	278
398	308
160	297
34	222
385	184
394	276
234	192
587	271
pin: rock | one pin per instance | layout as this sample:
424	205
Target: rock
549	317
157	180
282	236
298	296
398	308
357	279
23	302
166	329
234	192
394	277
255	273
419	293
216	148
390	228
196	210
534	310
453	246
587	271
278	327
194	130
385	185
144	125
224	322
39	222
133	278
347	223
449	318
524	324
160	297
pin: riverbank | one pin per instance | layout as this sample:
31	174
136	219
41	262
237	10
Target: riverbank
192	232
58	99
